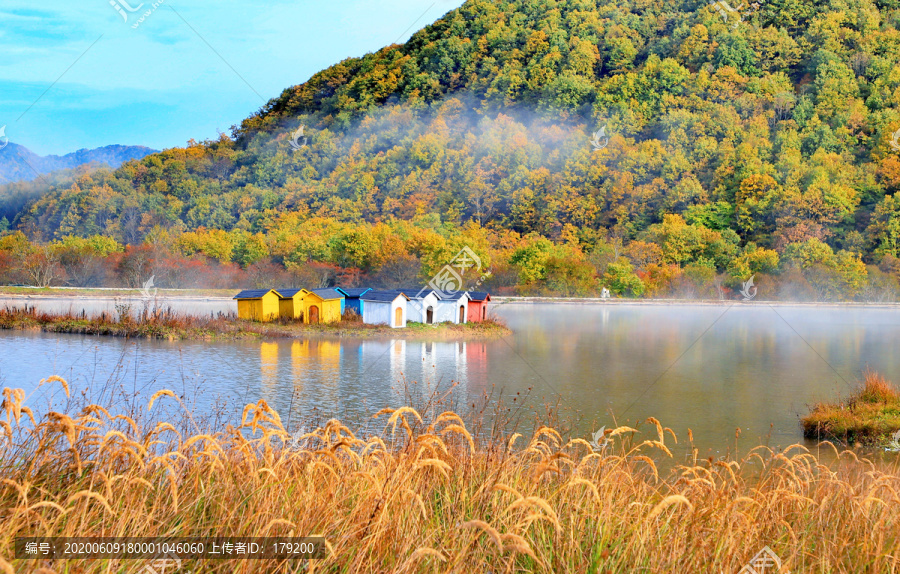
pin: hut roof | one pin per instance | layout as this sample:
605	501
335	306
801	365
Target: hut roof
479	296
251	294
455	296
415	292
353	292
287	293
383	296
327	294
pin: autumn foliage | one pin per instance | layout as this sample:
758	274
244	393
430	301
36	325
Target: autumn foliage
722	150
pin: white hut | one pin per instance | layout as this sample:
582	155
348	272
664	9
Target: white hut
385	308
453	308
422	305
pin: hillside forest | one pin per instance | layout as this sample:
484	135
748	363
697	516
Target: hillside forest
659	149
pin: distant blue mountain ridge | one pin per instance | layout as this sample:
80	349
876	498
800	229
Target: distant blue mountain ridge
18	163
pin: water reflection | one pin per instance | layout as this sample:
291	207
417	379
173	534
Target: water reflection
438	359
711	369
268	368
476	353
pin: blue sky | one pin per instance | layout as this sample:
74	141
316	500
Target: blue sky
173	78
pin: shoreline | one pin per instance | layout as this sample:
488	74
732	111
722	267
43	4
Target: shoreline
503	300
112	293
223	295
178	327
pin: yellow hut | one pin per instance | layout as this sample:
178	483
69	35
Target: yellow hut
290	303
322	306
257	304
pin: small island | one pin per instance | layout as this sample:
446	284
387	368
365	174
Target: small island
416	313
869	417
164	323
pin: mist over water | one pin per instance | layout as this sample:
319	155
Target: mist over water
710	368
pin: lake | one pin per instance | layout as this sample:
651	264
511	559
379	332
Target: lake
710	368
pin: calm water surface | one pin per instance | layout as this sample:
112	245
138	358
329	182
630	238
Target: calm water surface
712	369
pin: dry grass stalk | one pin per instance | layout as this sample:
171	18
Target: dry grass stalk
427	498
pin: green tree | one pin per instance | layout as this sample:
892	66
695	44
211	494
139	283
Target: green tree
622	280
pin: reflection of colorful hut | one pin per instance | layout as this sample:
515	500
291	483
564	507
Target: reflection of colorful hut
429	361
300	362
322	306
398	360
290	303
478	304
257	304
476	366
329	353
329	367
385	307
353	298
268	367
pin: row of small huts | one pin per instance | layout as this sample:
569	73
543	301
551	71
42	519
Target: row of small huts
389	307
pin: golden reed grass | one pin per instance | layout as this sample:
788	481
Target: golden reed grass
425	496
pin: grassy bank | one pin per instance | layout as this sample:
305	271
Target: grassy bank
166	324
869	416
425	496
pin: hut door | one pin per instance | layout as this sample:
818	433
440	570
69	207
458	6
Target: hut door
483	313
429	315
398	317
313	314
462	314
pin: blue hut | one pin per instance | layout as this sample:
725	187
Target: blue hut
353	298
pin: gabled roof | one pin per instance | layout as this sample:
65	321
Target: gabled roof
415	292
353	292
479	296
422	292
287	293
327	294
383	296
454	296
252	293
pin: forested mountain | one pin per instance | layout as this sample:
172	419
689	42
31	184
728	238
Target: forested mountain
18	163
16	196
574	143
